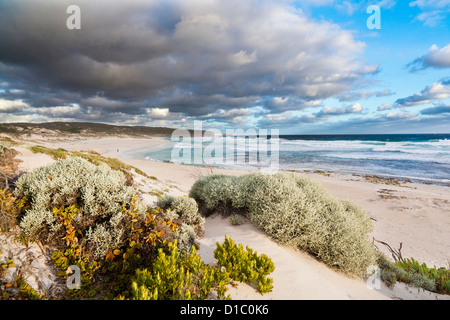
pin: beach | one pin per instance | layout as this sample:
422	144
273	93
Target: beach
416	215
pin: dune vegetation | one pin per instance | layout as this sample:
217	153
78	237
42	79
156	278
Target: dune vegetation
294	211
87	216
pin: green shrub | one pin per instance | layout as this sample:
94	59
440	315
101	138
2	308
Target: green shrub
185	276
245	265
413	273
439	277
178	277
295	211
97	191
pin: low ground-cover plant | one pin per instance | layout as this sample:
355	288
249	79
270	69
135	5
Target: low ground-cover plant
185	276
18	288
294	211
94	158
390	273
412	272
245	265
176	276
10	210
440	276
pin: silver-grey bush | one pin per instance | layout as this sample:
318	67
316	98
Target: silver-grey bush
298	212
97	191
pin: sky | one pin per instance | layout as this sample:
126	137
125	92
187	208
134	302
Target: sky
302	67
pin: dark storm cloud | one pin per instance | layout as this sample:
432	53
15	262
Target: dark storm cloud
191	57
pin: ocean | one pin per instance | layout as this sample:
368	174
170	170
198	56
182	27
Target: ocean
423	158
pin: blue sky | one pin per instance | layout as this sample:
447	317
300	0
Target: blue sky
404	36
303	67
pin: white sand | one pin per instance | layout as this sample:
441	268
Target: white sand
417	215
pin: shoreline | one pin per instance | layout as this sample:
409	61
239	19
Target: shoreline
417	215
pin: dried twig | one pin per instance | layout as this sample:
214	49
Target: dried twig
397	255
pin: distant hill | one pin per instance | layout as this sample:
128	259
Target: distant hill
83	128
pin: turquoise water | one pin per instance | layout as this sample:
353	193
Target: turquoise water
420	158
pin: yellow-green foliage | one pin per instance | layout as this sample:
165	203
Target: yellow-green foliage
245	265
185	276
295	211
440	277
56	154
391	272
10	210
178	277
91	156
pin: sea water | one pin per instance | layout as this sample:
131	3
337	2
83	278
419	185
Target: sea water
416	157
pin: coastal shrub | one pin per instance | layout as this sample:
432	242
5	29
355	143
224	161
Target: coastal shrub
214	193
420	275
176	276
439	276
8	163
245	265
187	211
235	219
97	191
165	201
391	272
295	211
184	212
112	261
95	158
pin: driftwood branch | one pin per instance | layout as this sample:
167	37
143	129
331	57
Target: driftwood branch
396	254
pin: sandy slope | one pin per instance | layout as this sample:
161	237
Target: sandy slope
415	214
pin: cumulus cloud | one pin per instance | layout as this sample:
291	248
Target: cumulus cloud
190	58
158	113
400	116
327	111
437	91
287	118
437	110
350	7
58	111
385	106
11	106
434	58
